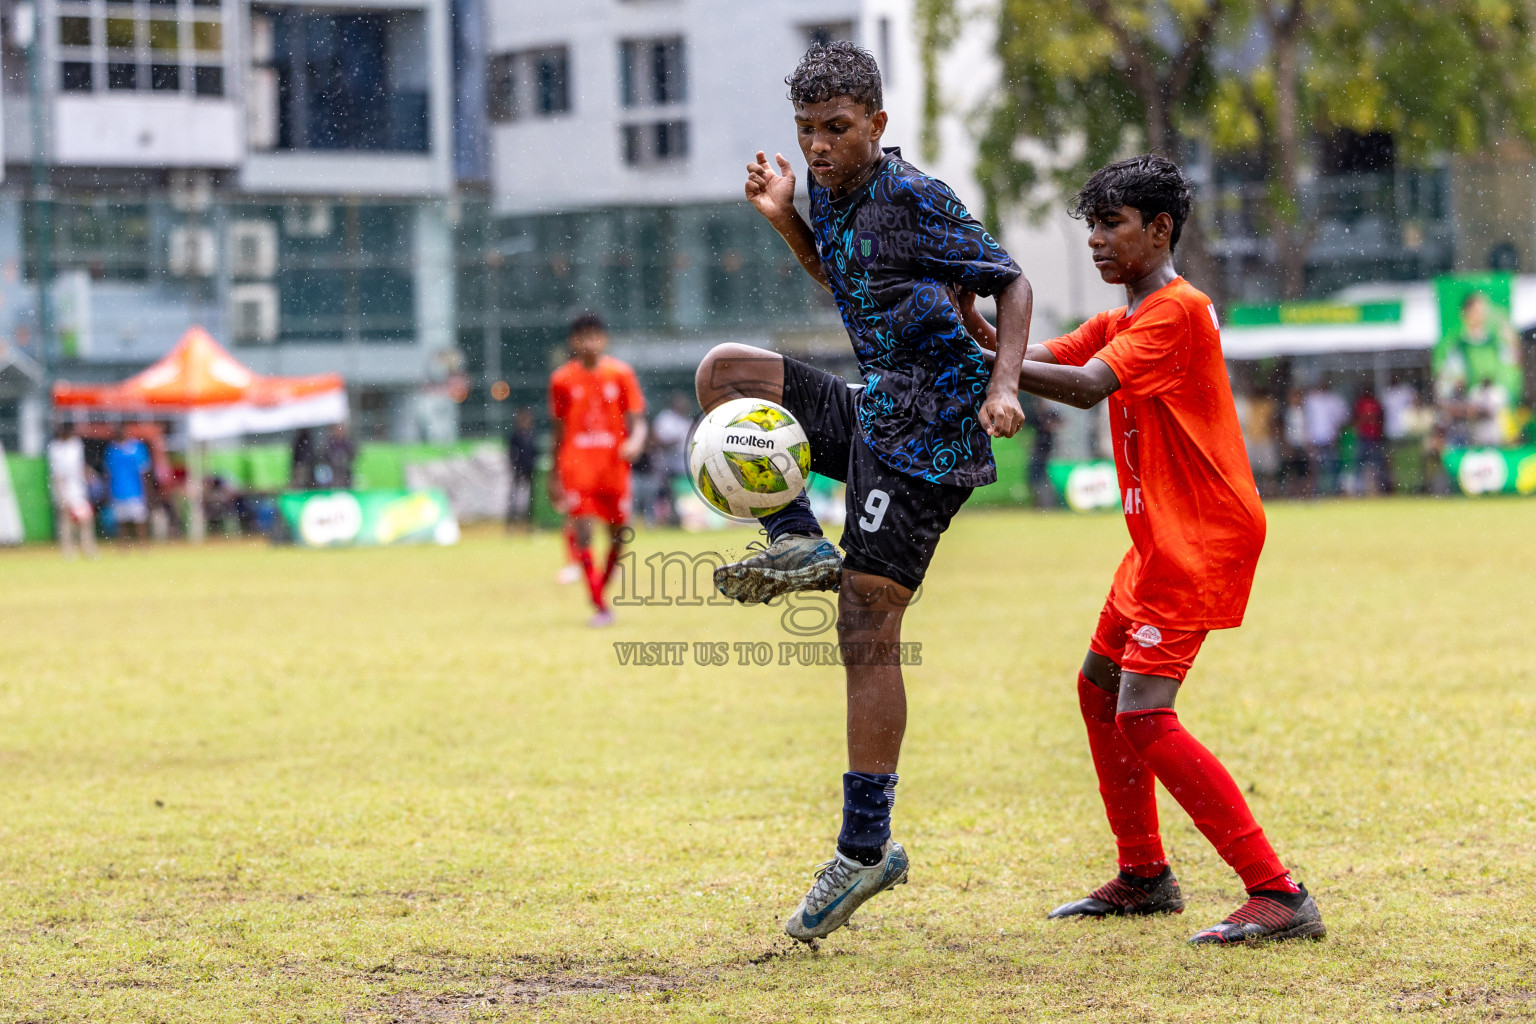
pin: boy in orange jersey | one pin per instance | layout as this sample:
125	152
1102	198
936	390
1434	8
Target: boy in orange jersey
1196	528
598	417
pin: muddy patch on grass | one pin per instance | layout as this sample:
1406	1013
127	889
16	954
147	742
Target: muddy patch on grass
1489	1003
494	997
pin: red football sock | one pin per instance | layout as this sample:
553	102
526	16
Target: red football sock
1125	783
1205	790
613	563
594	581
572	550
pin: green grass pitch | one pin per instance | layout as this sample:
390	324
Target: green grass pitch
247	784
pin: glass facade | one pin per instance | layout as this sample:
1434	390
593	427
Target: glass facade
337	270
348	81
676	274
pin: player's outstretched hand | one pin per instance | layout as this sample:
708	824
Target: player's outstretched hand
772	193
1001	414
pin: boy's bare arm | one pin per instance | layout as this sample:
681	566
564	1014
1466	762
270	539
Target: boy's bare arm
1080	386
1001	414
986	335
772	194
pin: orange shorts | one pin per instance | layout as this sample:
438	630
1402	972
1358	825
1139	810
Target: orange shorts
597	485
609	506
1143	648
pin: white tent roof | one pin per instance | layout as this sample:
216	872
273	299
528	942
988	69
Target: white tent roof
1419	327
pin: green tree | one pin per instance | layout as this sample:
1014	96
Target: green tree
1441	76
1085	81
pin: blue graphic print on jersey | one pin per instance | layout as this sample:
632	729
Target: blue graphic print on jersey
891	249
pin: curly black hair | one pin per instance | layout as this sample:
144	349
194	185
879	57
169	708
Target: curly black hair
837	69
585	321
1150	184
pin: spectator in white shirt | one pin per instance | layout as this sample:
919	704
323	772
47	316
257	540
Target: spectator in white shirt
72	510
1326	413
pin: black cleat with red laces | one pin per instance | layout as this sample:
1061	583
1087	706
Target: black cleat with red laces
1267	917
1128	895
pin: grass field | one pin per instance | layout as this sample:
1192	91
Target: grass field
245	784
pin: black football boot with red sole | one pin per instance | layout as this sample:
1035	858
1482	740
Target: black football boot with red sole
1128	896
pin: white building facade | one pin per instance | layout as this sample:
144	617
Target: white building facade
278	171
619	133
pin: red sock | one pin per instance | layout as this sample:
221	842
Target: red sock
572	551
594	581
1125	783
613	563
1205	790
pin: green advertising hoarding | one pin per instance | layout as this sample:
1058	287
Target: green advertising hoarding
1478	341
1493	470
1085	486
334	519
1313	314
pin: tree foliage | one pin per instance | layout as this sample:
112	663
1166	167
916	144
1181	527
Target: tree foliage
1086	81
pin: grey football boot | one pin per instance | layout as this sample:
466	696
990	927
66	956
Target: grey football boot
842	886
793	562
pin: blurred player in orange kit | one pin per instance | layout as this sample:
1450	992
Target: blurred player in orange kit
598	416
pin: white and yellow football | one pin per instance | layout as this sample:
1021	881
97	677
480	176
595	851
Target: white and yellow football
748	457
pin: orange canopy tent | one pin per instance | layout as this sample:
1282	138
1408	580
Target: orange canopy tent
220	397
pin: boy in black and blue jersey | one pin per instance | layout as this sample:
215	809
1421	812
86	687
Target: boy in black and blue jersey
891	244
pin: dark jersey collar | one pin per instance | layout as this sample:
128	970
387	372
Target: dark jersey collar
844	202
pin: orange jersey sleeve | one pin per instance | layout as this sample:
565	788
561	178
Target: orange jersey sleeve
1151	355
629	384
1083	344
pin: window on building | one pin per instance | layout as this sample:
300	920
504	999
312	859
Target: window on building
827	32
165	77
208	81
122	75
74	31
530	83
646	145
162	46
341	80
77	76
653	72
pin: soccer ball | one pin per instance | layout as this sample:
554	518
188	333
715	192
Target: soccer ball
748	458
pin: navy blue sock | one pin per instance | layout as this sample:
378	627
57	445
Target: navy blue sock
796	517
867	801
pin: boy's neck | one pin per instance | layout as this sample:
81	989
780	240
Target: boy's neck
1158	277
861	179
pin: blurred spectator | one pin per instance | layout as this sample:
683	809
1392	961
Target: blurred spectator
127	464
1046	421
1435	445
301	473
1295	467
1398	404
1256	416
71	493
644	482
340	453
221	506
1486	413
1370	434
523	458
1326	414
669	435
1454	415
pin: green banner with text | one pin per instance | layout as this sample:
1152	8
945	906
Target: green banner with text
335	519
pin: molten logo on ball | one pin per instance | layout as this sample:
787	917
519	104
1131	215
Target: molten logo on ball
744	485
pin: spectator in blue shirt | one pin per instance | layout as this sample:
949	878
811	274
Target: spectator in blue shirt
127	461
